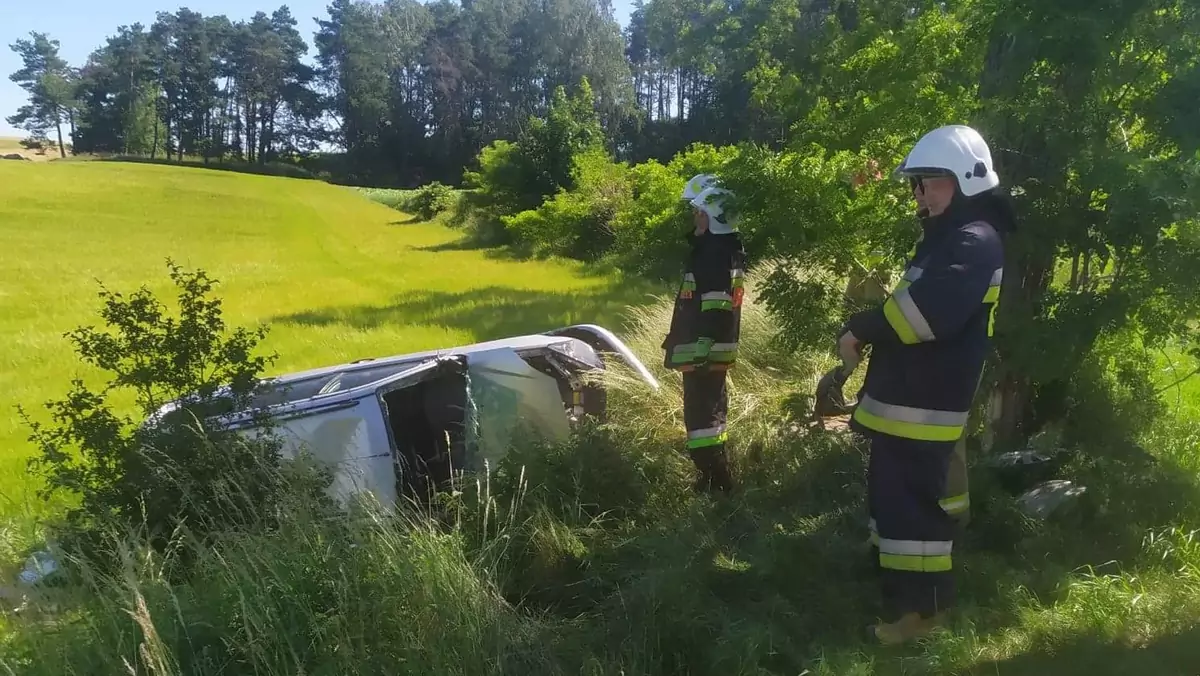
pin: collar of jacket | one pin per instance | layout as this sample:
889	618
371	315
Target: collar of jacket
708	237
962	210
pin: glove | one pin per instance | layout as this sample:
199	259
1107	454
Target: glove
850	350
703	348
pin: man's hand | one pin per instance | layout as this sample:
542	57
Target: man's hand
849	349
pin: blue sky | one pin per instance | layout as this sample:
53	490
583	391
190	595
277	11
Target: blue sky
81	26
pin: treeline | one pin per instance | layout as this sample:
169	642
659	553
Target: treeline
412	91
189	85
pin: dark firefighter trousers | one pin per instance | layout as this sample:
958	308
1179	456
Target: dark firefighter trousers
912	531
705	406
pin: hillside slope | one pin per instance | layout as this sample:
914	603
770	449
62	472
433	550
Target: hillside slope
336	276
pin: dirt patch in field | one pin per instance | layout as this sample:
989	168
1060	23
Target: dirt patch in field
12	150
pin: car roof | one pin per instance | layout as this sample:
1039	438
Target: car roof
518	343
330	384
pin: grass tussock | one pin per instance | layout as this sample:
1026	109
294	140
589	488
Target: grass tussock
594	557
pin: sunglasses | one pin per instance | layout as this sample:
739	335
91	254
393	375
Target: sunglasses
917	181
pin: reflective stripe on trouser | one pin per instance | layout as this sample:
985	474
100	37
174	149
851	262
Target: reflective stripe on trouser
715	300
909	422
724	354
957	498
906	481
705	406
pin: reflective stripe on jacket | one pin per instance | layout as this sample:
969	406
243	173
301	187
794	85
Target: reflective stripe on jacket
931	336
708	305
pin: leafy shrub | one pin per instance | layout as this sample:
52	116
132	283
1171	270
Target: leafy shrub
702	158
804	211
516	177
177	468
431	200
577	223
497	188
549	146
35	142
1112	396
648	232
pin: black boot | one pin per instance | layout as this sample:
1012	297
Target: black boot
722	478
713	468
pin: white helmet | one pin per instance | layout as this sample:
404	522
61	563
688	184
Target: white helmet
697	184
957	150
711	201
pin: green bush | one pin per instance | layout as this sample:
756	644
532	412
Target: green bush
577	223
633	215
431	200
702	158
649	231
165	469
497	189
803	210
286	169
518	176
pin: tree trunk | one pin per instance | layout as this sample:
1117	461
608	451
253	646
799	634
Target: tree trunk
1024	276
662	97
251	131
154	144
679	93
58	125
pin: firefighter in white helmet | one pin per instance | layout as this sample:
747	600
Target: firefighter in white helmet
698	184
702	342
929	341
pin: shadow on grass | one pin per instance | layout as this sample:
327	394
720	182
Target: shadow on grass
1092	655
466	244
489	313
514	253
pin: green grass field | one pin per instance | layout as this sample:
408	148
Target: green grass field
334	275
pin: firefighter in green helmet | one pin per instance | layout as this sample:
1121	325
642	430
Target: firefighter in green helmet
702	342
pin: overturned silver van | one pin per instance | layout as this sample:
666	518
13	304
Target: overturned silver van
395	426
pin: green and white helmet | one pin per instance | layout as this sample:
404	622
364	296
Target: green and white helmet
712	202
697	185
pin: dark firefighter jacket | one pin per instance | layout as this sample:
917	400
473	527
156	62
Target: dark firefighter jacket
708	305
930	338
